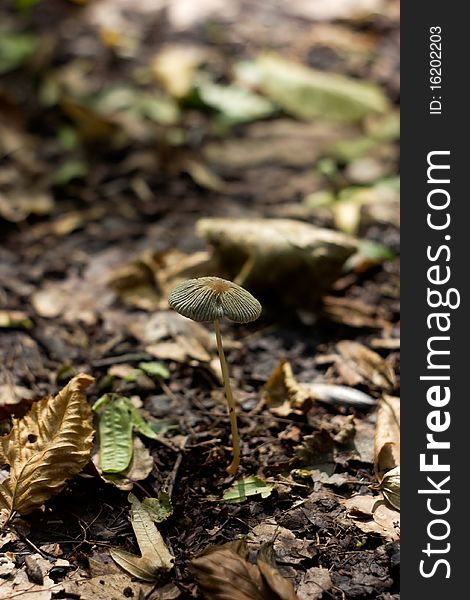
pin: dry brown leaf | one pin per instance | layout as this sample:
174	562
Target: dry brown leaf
47	447
373	516
223	573
387	436
283	394
356	313
156	558
390	487
367	364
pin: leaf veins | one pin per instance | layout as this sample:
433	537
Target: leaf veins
47	447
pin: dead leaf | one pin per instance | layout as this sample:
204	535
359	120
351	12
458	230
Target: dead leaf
156	558
356	313
283	394
170	336
317	452
224	573
47	447
314	582
373	516
116	585
387	436
22	586
367	364
390	487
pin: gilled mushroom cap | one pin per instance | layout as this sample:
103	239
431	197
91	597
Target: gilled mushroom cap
211	298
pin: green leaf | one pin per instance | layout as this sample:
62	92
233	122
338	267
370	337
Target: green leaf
235	103
115	437
249	486
138	422
72	168
310	94
159	509
155	369
15	49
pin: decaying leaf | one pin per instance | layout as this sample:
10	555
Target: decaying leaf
21	585
366	364
47	447
115	585
248	486
283	394
223	572
356	313
160	508
387	436
156	558
314	582
373	516
317	452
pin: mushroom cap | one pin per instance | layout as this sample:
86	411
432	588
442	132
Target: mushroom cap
212	298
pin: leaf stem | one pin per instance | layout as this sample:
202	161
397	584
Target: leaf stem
232	469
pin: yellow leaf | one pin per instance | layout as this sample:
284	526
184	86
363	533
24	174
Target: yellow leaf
45	448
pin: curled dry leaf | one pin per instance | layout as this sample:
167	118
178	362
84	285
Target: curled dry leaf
283	394
390	487
387	436
47	447
224	573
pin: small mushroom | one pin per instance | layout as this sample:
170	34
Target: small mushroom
211	299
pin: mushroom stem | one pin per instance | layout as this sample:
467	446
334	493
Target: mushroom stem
232	469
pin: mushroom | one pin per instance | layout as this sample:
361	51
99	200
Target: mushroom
211	299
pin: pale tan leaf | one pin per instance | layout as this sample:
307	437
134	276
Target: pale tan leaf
156	558
367	364
387	436
373	516
105	587
47	447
